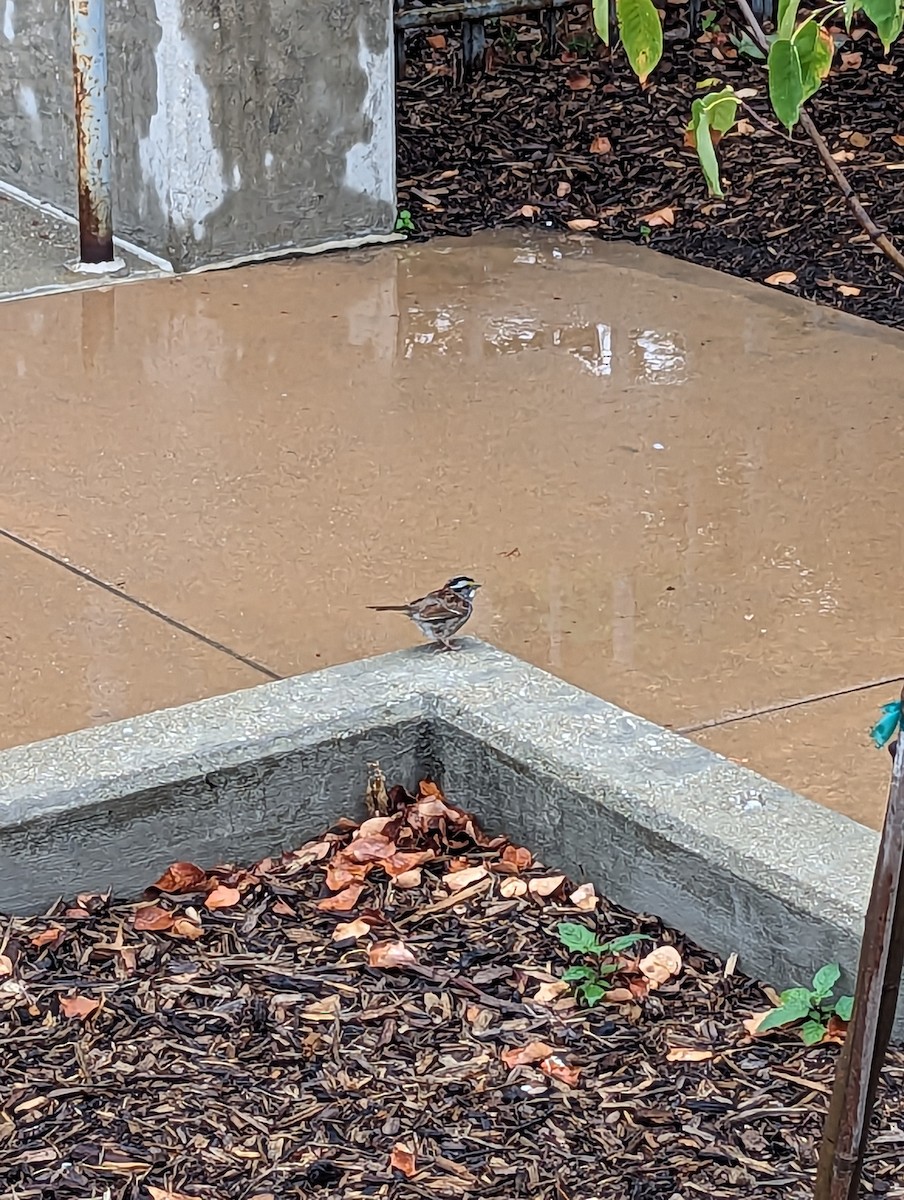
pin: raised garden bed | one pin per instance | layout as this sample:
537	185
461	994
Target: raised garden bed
381	1013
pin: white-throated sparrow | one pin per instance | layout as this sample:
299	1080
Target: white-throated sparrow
439	615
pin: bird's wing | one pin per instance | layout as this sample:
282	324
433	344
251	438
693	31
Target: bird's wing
438	606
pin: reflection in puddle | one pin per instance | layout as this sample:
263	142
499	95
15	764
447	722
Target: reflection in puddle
649	356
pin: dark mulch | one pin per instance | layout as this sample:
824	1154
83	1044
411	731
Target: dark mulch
519	135
219	1042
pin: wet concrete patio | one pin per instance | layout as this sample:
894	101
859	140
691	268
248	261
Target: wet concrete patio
678	489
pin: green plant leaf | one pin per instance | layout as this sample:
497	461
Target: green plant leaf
785	1014
592	993
787	16
825	979
404	222
578	938
888	18
601	20
577	974
723	109
706	151
850	8
619	944
786	84
815	49
812	1033
844	1007
641	35
797	997
607	969
747	46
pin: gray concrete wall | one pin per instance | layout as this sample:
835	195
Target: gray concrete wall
239	126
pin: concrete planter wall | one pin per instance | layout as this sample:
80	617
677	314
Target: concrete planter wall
658	823
240	127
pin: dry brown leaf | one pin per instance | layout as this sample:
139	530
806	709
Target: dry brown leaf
888	68
898	139
402	1159
325	1009
582	224
370	848
408	879
745	127
404	861
455	881
752	1024
157	1193
78	1006
662	216
618	995
851	60
563	189
660	965
780	277
860	140
585	897
518	857
223	897
546	993
340	873
283	910
187	928
600	145
522	1056
688	1054
375	825
843	155
389	955
847	289
153	917
578	81
545	885
836	1030
181	877
47	937
437	41
350	929
343	901
512	887
558	1069
528	210
310	852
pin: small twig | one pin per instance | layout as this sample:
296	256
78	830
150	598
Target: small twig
869	226
772	128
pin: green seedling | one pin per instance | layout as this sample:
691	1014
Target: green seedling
591	982
811	1006
404	222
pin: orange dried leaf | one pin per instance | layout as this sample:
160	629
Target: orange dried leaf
157	1193
518	857
340	873
350	929
181	877
585	897
660	965
618	995
223	897
404	861
688	1054
437	41
780	277
851	60
558	1069
563	189
375	825
513	887
6	965
370	848
408	879
282	909
578	81
153	917
545	885
847	289
455	881
600	145
310	852
402	1159
888	68
428	788
662	216
187	928
522	1056
546	993
860	140
528	210
582	224
47	937
343	901
389	955
752	1024
78	1006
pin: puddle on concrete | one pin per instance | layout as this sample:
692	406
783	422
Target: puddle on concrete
677	494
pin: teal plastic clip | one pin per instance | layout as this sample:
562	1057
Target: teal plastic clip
887	725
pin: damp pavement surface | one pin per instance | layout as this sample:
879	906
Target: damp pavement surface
677	488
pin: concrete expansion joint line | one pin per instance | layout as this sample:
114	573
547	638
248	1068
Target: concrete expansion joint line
686	730
149	609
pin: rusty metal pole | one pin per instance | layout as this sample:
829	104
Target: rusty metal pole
92	135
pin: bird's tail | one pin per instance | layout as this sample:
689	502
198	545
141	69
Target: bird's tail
388	607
